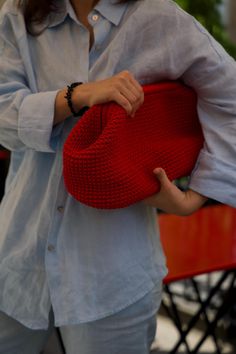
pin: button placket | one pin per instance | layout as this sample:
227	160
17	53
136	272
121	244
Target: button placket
101	30
60	209
51	248
57	218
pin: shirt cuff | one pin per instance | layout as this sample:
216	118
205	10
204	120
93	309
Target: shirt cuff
214	178
36	116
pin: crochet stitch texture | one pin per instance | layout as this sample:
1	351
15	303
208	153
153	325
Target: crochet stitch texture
109	157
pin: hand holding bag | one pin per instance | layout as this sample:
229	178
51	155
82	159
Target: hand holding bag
109	157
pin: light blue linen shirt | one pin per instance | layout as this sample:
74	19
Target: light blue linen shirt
55	252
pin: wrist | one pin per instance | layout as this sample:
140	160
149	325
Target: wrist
61	110
75	101
193	202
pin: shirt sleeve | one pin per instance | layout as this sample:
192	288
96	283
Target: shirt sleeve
26	116
211	72
35	122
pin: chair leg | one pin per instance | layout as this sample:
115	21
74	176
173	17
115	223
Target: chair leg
195	318
60	340
208	323
176	318
228	302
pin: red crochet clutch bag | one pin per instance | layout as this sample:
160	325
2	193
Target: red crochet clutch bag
108	157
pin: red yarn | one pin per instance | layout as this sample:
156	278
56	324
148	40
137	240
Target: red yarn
109	157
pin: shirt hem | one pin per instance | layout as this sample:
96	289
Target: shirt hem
60	323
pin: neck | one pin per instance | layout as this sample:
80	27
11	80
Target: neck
83	7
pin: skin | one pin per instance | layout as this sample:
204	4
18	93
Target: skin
125	90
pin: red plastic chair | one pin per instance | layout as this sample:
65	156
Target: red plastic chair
4	155
200	244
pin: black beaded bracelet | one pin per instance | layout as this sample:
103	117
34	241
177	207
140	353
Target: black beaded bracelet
68	96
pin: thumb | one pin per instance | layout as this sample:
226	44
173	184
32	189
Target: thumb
161	175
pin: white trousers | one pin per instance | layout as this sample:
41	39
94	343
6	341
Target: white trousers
130	331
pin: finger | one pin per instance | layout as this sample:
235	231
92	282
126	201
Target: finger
123	102
135	97
162	176
128	75
125	78
130	93
122	94
160	173
132	96
168	188
131	89
139	97
137	86
137	90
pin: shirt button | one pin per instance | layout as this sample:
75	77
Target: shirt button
95	18
51	248
60	209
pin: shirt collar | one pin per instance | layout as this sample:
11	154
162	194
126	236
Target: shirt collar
110	9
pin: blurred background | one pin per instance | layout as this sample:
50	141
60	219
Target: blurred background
218	16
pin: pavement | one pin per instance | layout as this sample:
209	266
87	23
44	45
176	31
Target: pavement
167	336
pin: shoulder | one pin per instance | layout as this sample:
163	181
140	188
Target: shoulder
162	10
11	19
164	17
158	19
161	6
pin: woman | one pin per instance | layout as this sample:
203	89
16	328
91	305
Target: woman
96	274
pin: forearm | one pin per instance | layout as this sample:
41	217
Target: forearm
62	110
192	201
121	88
